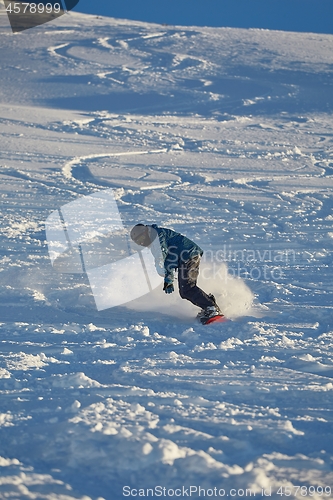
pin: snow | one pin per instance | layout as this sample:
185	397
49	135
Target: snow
226	136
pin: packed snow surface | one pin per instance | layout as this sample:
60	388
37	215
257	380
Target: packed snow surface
226	136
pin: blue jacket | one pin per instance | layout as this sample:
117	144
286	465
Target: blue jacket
176	249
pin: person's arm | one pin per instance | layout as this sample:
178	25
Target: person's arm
170	264
158	257
169	256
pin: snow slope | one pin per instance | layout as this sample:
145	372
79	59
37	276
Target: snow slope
224	135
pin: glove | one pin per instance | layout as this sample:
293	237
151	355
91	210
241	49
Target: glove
168	287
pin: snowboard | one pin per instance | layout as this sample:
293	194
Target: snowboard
215	319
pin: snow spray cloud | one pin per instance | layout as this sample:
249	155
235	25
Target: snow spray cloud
25	15
88	236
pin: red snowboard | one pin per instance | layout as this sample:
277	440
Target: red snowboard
215	319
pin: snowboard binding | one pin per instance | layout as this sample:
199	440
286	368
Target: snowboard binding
211	314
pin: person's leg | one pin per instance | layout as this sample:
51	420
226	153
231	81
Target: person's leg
187	281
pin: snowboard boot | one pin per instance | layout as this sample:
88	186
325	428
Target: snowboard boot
210	311
211	296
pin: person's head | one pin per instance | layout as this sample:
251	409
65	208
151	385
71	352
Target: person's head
140	235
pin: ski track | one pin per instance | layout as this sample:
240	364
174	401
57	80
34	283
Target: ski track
226	136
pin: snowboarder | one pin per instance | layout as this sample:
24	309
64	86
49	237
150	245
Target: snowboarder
178	252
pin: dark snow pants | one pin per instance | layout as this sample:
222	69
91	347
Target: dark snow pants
187	281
